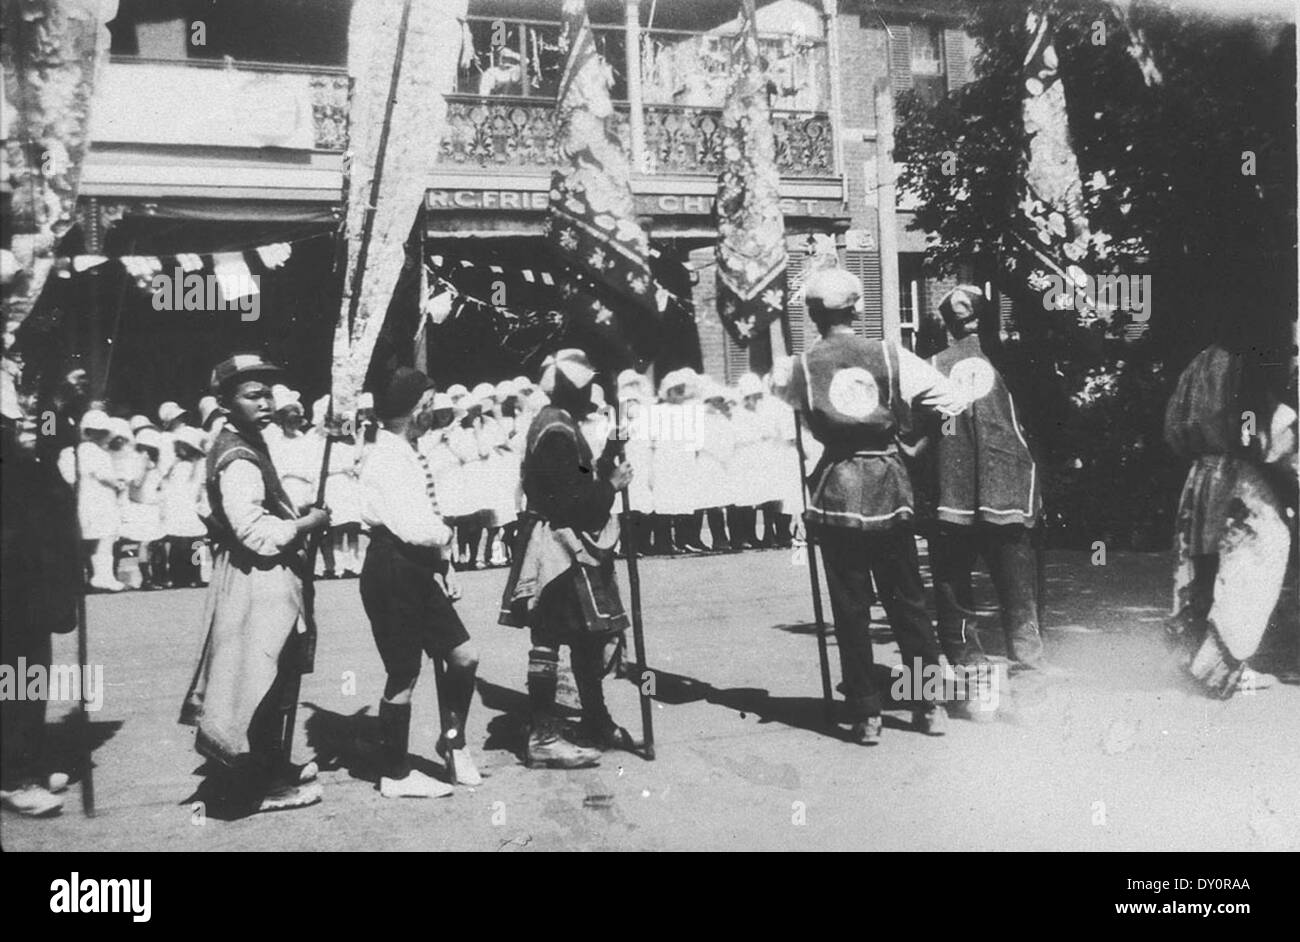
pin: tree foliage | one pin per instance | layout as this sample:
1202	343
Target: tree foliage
1166	168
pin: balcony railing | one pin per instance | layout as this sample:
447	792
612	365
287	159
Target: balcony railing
520	134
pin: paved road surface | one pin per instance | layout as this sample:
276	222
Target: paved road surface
1116	756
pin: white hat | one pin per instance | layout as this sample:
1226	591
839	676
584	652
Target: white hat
507	389
834	288
96	420
483	392
570	363
120	428
192	437
207	406
282	397
169	411
149	438
685	377
442	402
140	421
457	391
749	385
711	389
597	394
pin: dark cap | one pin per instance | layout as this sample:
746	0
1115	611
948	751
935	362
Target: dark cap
402	391
241	367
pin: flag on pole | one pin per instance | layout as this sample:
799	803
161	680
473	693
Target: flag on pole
408	97
1050	235
592	215
751	228
52	52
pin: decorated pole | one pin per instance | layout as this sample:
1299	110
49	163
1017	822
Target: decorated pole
384	187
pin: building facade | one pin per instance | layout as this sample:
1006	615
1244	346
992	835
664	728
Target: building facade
215	125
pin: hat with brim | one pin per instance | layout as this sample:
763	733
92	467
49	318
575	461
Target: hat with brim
149	438
191	437
96	420
169	412
120	428
570	366
242	367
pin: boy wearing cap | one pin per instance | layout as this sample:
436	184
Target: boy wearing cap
988	494
853	394
407	590
561	584
255	615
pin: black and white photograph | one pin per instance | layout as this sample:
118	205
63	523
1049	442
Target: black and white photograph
652	426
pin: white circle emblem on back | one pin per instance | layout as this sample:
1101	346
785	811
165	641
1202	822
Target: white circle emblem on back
854	393
974	377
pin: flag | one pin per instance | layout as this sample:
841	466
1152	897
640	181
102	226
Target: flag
52	53
592	216
1050	234
427	72
751	229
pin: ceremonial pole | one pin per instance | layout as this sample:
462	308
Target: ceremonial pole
634	590
810	546
308	642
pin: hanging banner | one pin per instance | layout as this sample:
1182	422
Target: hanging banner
751	228
426	73
52	54
592	214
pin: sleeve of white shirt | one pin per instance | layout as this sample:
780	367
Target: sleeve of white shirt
243	498
922	384
395	496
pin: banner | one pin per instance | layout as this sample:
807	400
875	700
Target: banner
751	228
592	216
52	52
1050	232
417	84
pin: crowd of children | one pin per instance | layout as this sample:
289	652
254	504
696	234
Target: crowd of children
705	453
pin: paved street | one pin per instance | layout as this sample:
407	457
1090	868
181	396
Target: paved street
1115	756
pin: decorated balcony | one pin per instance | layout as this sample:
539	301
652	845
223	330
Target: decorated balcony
503	114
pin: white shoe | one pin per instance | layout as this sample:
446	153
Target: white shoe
107	586
460	764
58	783
415	785
32	801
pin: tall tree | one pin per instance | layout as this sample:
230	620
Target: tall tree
1184	127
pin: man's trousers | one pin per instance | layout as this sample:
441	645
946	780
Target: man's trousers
1008	553
852	557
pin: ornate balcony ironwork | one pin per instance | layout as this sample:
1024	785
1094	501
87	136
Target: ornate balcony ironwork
519	134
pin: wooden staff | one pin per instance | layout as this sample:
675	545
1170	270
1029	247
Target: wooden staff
308	641
634	590
85	760
823	654
814	578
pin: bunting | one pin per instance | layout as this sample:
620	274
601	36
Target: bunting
751	229
592	216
